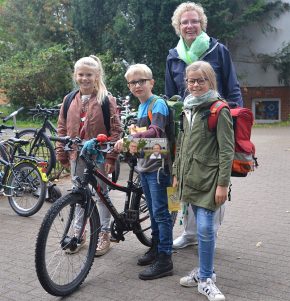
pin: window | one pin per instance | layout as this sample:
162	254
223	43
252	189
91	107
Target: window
266	110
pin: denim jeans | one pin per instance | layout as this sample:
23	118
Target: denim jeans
154	186
206	240
77	169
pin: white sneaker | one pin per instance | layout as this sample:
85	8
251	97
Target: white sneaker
182	242
193	278
210	290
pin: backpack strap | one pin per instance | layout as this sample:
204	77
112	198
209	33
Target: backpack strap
105	108
215	109
106	113
67	102
150	108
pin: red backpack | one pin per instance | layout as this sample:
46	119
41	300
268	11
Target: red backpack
243	120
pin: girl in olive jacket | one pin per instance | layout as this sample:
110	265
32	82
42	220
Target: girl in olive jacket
202	167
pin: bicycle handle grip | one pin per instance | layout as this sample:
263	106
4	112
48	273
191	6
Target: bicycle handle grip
12	114
6	127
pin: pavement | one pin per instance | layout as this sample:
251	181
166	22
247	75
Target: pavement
252	256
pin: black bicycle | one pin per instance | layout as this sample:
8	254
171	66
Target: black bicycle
22	178
40	145
59	271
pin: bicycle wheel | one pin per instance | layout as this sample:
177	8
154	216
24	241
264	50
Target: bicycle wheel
116	172
143	225
59	271
43	149
26	190
3	156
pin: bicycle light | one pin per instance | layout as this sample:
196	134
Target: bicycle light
43	166
102	138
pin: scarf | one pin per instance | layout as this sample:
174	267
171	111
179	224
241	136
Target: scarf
198	47
191	102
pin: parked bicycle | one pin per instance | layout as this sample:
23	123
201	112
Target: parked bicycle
60	272
39	145
22	178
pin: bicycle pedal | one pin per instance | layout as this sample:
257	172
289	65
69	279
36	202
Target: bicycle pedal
7	194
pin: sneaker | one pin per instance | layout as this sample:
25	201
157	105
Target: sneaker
182	242
103	243
210	290
79	245
193	278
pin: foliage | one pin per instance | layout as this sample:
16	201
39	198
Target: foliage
41	76
35	23
280	61
114	73
118	30
226	18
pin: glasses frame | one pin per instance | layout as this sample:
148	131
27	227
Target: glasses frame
200	81
189	22
140	82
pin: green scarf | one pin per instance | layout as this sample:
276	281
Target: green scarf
191	102
198	47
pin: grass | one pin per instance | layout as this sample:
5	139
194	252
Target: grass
23	120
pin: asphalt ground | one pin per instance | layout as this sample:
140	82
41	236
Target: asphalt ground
252	256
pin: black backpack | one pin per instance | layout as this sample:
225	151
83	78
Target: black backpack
105	108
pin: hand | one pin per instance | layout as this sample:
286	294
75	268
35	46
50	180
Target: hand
65	163
132	129
109	168
174	182
119	146
221	194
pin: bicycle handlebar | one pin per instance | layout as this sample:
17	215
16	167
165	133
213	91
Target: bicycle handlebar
6	127
12	114
43	111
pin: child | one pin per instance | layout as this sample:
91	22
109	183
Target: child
154	174
85	119
202	169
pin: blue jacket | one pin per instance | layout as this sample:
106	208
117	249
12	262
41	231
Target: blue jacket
219	58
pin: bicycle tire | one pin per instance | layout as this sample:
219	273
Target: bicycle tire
3	155
26	189
60	273
44	148
116	172
143	225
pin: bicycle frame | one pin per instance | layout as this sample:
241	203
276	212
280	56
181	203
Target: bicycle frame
126	218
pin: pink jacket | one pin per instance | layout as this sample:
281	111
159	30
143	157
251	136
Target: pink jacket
94	125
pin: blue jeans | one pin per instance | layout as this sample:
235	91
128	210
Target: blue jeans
157	202
206	240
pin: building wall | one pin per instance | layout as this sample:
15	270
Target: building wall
256	83
268	93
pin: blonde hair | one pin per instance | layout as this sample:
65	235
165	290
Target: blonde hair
95	64
207	71
184	7
140	69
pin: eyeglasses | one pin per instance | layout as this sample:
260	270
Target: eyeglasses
140	82
189	22
201	81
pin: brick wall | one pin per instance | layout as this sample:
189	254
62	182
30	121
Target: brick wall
283	93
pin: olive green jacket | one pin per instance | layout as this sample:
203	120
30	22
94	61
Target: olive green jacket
204	158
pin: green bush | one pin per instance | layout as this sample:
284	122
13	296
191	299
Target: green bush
42	76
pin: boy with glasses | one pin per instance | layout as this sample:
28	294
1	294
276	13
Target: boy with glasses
154	174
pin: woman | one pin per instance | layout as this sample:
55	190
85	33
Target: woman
190	23
202	169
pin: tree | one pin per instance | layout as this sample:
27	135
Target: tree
43	76
36	23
